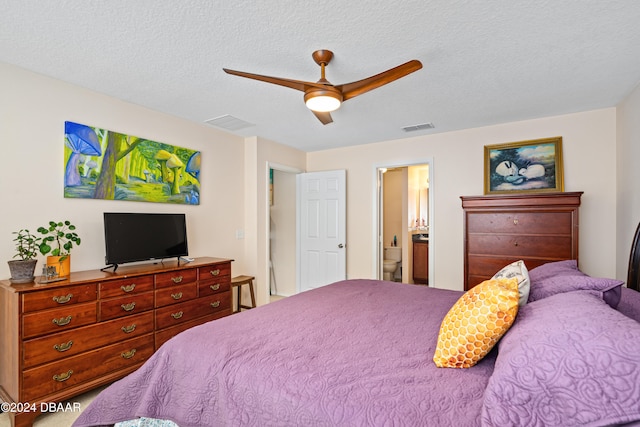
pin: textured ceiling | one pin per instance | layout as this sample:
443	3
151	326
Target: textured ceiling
484	62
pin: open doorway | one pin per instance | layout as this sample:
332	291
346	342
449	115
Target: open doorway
288	191
282	232
404	226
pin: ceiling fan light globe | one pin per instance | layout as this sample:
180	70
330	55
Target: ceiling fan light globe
323	100
323	104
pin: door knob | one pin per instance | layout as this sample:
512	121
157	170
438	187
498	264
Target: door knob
341	246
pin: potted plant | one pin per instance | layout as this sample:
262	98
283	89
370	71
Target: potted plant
26	249
59	238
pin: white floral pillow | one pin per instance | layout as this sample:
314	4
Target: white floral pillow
519	271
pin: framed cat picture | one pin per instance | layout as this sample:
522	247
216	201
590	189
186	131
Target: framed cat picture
525	166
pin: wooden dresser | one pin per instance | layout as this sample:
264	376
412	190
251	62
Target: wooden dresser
499	229
65	338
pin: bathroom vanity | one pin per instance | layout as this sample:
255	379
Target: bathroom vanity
420	258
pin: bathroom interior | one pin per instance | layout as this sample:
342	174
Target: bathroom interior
405	224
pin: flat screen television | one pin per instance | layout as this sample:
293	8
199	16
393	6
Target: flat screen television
131	237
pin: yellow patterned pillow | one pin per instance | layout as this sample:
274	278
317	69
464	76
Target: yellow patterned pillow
476	322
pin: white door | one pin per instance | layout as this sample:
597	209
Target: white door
321	228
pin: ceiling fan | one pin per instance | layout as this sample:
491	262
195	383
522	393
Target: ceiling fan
322	97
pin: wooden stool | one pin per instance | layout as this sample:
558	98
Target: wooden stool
237	282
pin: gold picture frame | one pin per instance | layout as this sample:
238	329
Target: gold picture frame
523	167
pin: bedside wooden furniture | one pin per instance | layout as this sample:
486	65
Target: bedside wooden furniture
65	338
534	227
237	282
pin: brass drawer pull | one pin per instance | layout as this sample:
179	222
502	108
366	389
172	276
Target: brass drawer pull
63	347
128	307
177	315
63	299
215	304
128	288
62	321
128	354
176	296
515	221
64	376
215	287
176	279
128	329
215	272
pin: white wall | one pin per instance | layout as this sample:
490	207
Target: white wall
589	149
33	110
628	177
392	207
234	173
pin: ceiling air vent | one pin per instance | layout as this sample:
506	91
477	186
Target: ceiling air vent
229	123
421	126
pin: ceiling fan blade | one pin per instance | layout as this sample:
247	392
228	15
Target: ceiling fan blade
351	90
290	83
325	118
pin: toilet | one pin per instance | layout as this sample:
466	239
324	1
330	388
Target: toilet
392	259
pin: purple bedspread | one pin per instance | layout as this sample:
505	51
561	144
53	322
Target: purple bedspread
356	353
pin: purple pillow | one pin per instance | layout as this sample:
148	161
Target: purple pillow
564	276
568	360
630	303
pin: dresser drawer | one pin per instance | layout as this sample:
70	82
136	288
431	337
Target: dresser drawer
124	306
167	333
211	287
173	278
130	286
53	377
176	294
481	268
520	222
65	344
216	272
58	297
501	245
487	266
183	312
60	319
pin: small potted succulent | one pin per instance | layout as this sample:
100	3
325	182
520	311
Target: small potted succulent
27	246
57	241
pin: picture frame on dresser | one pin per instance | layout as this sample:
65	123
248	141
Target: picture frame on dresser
524	167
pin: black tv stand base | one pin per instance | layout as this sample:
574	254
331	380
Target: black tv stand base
115	267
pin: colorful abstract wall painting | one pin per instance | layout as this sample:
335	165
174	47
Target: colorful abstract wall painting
102	164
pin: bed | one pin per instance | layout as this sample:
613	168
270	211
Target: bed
361	353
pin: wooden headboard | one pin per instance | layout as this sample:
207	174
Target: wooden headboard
633	277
